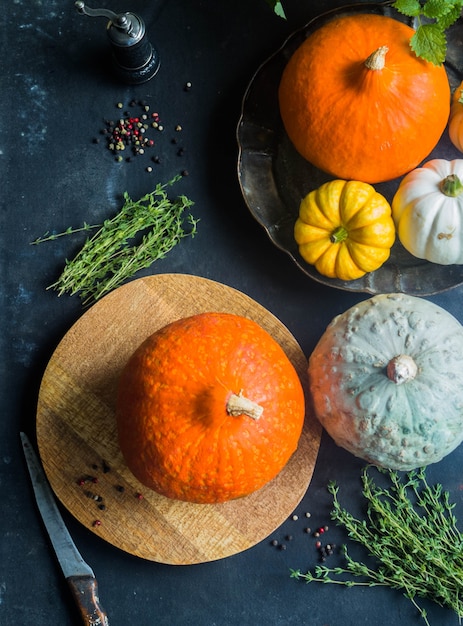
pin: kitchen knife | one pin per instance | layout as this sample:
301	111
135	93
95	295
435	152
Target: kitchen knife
77	572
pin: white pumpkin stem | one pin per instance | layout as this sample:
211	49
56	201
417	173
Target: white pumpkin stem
239	405
401	369
451	186
377	59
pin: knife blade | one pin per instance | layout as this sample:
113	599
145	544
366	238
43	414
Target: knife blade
78	574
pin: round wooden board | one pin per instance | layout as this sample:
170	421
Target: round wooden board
77	437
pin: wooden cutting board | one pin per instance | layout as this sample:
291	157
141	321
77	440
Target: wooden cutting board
77	437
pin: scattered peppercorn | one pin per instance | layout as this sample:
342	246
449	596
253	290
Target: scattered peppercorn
120	488
139	496
295	518
274	542
97	522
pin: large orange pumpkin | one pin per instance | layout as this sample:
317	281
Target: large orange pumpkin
209	409
359	104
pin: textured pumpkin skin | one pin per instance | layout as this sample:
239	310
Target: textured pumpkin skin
356	123
429	224
397	426
456	118
360	213
174	430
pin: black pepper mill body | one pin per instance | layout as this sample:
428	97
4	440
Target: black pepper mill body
135	60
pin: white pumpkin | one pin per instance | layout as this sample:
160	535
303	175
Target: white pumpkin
427	210
386	380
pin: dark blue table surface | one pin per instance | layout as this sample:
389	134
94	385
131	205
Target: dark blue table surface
56	91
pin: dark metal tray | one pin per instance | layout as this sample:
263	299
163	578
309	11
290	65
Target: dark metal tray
274	177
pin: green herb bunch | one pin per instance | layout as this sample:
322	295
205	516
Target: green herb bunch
142	232
434	17
411	532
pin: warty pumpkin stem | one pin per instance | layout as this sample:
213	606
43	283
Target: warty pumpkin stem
237	405
451	186
401	369
377	59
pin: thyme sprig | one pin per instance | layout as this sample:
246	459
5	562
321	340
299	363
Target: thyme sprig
142	232
411	532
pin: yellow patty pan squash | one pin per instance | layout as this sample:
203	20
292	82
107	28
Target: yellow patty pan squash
345	229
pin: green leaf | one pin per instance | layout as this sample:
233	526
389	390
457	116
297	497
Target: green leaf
449	18
430	43
412	8
436	9
277	7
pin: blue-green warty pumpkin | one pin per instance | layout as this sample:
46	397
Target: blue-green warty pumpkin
386	380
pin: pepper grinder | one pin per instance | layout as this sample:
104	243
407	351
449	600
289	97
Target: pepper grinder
135	60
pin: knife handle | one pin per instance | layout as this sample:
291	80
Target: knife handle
85	592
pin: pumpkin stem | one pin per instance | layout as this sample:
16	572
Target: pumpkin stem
401	369
338	235
239	405
377	59
451	186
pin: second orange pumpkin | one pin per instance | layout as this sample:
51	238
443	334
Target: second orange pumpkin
209	409
359	104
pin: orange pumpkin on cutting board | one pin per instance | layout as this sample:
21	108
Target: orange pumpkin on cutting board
358	103
209	409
